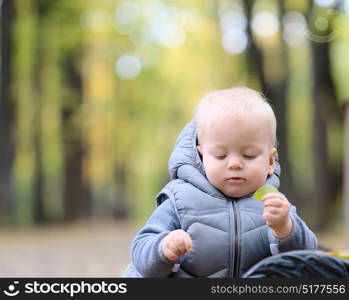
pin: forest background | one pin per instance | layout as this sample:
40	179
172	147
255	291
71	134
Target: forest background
94	93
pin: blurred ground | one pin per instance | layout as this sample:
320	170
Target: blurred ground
333	240
93	249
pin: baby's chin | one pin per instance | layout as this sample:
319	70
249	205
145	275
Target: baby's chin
235	191
236	194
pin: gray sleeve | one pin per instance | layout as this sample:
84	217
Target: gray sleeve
300	238
147	257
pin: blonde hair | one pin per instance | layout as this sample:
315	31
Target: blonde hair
237	101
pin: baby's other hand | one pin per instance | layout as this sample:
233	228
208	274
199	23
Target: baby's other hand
175	244
276	214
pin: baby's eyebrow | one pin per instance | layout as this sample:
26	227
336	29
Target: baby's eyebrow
252	148
218	147
248	147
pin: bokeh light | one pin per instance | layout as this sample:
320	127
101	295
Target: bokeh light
346	6
295	27
325	3
126	17
233	19
167	32
96	19
265	24
234	41
128	66
163	25
233	24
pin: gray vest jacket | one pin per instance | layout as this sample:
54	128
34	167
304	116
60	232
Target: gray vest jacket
229	235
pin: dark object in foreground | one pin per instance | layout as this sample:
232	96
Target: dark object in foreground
300	264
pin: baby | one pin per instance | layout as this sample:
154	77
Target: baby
206	224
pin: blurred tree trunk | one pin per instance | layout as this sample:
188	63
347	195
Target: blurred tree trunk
38	191
7	114
276	91
346	173
278	96
255	54
327	177
121	202
38	184
77	197
38	208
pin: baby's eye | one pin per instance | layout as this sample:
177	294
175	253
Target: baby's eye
220	157
248	156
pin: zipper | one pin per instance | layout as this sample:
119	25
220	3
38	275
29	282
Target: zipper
236	242
230	268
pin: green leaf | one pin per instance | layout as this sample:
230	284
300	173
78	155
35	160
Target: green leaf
265	189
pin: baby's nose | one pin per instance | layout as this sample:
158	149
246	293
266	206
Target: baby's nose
235	163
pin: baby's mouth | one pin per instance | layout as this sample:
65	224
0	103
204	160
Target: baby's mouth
236	179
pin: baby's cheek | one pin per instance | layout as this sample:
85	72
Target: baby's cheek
214	176
211	178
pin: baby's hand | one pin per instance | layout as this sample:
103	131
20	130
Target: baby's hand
175	244
276	214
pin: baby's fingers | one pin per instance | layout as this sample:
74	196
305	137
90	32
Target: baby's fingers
188	242
169	252
184	241
272	196
179	244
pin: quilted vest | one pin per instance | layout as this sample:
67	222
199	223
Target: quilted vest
229	235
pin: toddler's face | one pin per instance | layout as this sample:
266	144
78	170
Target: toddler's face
237	155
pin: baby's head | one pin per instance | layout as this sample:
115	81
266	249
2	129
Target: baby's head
236	140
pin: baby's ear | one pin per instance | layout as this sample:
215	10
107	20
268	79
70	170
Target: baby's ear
272	157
